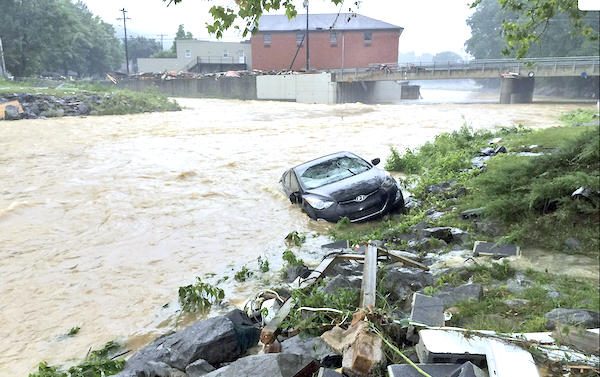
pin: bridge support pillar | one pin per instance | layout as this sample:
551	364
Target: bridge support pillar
516	89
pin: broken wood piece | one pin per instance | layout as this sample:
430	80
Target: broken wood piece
316	275
364	354
269	333
369	279
340	339
580	338
406	261
495	250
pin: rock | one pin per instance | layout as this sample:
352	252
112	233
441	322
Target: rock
487	151
426	244
500	149
198	368
412	203
573	317
450	296
402	282
272	365
292	272
314	347
434	215
472	213
341	282
11	112
553	295
150	369
348	268
516	303
572	244
83	109
518	284
216	340
479	162
440	187
441	233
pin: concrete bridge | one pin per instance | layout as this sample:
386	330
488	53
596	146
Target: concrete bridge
518	76
475	69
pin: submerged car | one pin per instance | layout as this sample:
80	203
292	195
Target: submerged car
342	185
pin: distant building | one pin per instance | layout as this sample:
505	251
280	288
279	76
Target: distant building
335	41
202	56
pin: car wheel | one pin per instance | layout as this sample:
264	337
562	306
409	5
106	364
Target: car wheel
310	211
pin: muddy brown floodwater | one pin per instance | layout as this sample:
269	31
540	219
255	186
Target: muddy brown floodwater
103	218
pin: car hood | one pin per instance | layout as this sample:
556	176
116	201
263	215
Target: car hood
349	188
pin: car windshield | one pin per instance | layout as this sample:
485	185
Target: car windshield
333	170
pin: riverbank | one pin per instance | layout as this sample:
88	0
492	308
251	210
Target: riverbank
31	100
515	300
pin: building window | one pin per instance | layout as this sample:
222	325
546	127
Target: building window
368	36
225	54
333	38
188	53
299	38
267	40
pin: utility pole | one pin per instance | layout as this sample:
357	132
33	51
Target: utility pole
161	41
2	64
125	18
307	54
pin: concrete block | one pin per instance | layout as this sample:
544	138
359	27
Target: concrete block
495	250
427	311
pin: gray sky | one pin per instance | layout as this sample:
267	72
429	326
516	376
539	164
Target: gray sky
430	26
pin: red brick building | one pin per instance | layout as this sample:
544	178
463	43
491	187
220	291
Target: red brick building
335	42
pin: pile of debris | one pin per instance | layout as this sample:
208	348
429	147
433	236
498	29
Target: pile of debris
33	106
360	344
173	75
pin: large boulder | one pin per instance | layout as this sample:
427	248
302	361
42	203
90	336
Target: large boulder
198	368
314	347
270	364
402	282
572	317
215	340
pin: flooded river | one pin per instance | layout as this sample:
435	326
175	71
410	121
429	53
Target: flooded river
103	218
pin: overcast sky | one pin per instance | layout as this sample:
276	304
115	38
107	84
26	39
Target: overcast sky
430	26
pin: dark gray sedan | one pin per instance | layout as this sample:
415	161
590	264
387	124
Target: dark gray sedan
342	185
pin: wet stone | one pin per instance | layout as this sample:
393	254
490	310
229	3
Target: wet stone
272	365
314	347
198	368
572	317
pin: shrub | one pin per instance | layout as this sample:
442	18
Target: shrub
199	296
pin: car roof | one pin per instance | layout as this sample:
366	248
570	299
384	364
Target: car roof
305	165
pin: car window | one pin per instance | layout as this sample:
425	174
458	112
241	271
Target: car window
333	170
294	186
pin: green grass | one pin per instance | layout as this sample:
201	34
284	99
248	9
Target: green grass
530	197
493	313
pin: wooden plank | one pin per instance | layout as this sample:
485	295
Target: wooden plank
271	329
369	279
404	260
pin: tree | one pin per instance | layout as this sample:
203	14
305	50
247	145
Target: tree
447	56
56	36
533	18
180	35
528	25
141	47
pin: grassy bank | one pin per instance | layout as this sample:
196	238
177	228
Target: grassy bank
102	99
524	198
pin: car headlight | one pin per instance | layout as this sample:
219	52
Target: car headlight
389	181
318	203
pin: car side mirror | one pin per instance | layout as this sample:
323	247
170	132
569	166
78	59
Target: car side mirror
295	197
375	161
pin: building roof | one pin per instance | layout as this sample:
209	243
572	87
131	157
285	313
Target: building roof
330	21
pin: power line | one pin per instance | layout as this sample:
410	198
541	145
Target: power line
125	18
161	40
